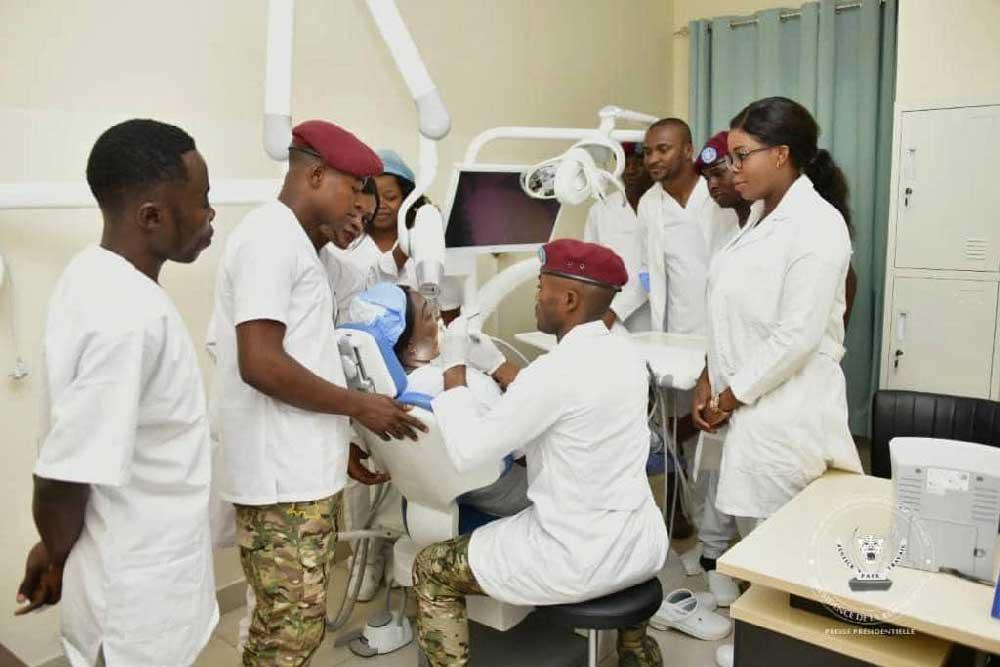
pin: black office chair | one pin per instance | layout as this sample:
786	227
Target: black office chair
628	607
916	414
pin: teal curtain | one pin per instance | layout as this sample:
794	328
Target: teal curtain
840	64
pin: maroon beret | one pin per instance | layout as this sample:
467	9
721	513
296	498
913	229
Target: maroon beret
339	148
588	262
716	149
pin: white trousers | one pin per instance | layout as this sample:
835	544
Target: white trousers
716	530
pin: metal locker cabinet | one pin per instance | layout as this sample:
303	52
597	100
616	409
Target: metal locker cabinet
948	196
941	336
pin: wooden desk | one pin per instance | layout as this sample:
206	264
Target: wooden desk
768	608
794	551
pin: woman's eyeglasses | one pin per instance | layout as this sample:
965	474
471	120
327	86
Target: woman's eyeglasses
735	159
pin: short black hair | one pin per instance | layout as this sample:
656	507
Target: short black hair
136	155
674	122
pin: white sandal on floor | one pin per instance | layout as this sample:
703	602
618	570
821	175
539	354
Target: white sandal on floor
682	610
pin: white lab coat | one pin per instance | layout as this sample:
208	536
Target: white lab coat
776	332
721	225
614	224
580	414
677	257
123	410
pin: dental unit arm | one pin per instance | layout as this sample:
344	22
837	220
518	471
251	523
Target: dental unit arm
575	177
424	244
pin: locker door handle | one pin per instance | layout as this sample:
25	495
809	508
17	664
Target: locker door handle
906	197
895	360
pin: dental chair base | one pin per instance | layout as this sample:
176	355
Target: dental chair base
385	632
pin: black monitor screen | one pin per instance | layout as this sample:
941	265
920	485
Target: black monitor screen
491	209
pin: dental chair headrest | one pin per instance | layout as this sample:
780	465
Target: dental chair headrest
396	375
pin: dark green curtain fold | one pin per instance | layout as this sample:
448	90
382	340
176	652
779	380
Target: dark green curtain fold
841	66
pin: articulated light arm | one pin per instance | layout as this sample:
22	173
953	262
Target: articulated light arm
425	243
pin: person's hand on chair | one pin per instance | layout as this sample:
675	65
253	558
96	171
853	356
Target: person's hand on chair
359	472
386	418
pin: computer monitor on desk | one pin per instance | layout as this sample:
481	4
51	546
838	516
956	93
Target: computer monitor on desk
488	212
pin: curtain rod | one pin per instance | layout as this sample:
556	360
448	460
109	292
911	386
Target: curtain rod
784	16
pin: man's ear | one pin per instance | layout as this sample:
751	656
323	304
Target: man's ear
150	217
315	175
573	300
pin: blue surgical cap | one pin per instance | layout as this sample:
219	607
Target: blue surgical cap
382	307
393	164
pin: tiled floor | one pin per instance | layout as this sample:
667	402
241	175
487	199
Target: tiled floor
678	650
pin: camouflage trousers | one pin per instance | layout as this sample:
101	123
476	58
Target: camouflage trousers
441	580
285	550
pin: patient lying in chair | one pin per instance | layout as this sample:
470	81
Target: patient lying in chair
403	315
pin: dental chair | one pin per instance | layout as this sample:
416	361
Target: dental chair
423	473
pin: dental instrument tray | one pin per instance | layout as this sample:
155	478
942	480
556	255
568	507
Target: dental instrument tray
676	360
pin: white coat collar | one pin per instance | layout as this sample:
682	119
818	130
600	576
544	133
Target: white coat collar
593	329
697	197
799	193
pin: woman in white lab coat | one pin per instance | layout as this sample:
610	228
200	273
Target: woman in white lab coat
776	300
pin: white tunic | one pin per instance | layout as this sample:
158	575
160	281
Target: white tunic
350	276
776	332
678	257
614	224
579	412
367	253
273	452
123	410
721	225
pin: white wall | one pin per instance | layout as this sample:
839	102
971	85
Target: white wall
73	68
948	52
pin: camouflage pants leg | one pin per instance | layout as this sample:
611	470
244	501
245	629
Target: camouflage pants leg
285	550
441	580
637	649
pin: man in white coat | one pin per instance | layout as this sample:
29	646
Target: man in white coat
579	412
284	407
679	217
673	212
122	478
613	222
